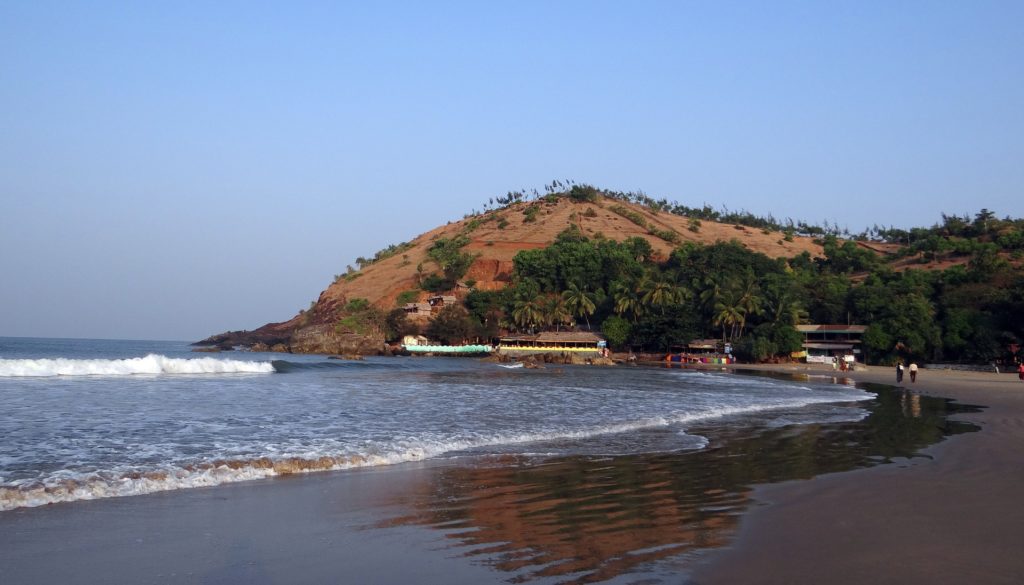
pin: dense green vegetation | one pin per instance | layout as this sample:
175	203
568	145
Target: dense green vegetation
970	312
966	305
453	262
359	316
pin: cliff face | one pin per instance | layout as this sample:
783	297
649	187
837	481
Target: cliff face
327	338
495	237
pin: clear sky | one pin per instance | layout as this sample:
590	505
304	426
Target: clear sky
175	169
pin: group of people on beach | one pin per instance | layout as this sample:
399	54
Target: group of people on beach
899	371
845	363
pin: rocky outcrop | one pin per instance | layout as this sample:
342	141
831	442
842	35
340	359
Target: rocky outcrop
276	348
490	274
565	358
325	338
272	334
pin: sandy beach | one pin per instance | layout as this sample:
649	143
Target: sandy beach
766	509
953	518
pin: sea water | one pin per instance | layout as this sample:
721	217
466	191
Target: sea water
86	419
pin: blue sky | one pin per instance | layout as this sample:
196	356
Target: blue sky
172	170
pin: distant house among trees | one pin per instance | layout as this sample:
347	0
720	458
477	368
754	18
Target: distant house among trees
417	308
823	342
439	302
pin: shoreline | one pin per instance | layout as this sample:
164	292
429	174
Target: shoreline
952	516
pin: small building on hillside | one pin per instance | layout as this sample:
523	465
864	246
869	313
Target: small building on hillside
410	340
824	342
583	342
417	308
439	302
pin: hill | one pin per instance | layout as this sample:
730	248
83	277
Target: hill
654	275
494	238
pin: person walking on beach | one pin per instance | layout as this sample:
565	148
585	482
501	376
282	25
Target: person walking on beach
1020	371
835	363
913	372
899	372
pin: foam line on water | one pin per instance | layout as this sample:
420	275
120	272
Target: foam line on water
67	486
151	364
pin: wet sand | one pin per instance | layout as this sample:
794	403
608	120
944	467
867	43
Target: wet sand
655	518
954	518
318	528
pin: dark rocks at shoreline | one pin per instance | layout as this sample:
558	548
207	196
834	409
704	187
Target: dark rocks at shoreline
229	340
264	348
290	337
564	358
326	339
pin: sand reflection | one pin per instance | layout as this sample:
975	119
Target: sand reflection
586	520
583	520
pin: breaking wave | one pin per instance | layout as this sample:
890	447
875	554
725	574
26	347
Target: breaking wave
151	364
69	486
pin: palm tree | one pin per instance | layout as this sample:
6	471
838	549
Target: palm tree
749	300
660	293
579	301
554	312
626	300
783	308
727	314
711	290
527	313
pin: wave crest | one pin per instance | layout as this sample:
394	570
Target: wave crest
152	364
104	485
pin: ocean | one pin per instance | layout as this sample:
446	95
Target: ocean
86	419
567	474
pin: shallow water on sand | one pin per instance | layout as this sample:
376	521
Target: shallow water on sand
91	419
642	518
562	475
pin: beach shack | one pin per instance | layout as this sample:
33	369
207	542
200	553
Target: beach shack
703	347
410	340
418	312
703	351
824	342
578	342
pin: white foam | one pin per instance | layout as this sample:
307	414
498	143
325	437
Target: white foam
249	462
66	486
151	364
69	486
